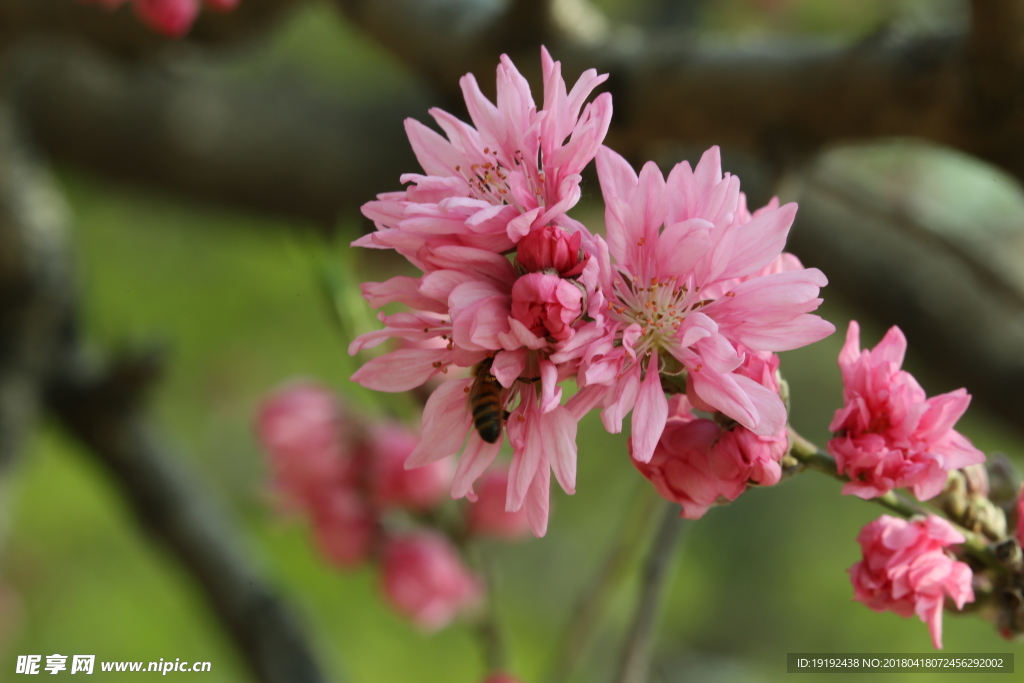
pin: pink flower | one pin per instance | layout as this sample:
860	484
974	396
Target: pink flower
300	425
173	18
424	578
487	515
394	485
344	526
690	276
547	305
888	433
487	185
906	569
552	249
488	188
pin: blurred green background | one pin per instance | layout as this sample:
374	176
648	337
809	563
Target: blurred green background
236	299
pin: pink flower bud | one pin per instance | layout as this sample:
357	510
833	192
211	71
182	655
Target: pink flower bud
757	458
551	249
392	484
487	516
683	469
173	18
905	569
424	579
221	5
547	305
697	464
300	426
344	527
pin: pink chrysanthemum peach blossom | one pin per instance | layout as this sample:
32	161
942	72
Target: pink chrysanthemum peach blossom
889	434
690	275
509	180
907	569
515	169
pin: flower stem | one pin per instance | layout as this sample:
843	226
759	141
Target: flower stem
592	603
813	458
636	651
487	626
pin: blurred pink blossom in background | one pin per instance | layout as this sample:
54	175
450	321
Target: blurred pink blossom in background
424	578
487	515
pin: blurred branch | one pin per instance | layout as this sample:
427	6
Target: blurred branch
272	148
39	360
961	317
102	408
120	32
636	651
996	45
34	283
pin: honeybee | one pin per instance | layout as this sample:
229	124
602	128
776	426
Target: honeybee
485	402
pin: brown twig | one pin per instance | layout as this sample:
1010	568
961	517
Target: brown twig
812	457
102	409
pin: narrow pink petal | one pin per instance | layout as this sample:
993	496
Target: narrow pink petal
400	370
649	414
892	348
722	392
771	412
538	501
625	393
559	429
760	241
585	400
681	245
402	289
491	322
851	348
551	393
508	365
475	460
526	454
435	154
446	420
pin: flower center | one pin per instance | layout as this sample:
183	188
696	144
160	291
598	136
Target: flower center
659	308
488	180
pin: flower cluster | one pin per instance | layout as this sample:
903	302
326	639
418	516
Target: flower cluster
689	285
347	477
907	569
172	18
889	434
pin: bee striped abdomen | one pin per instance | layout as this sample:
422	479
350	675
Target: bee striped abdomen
485	403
